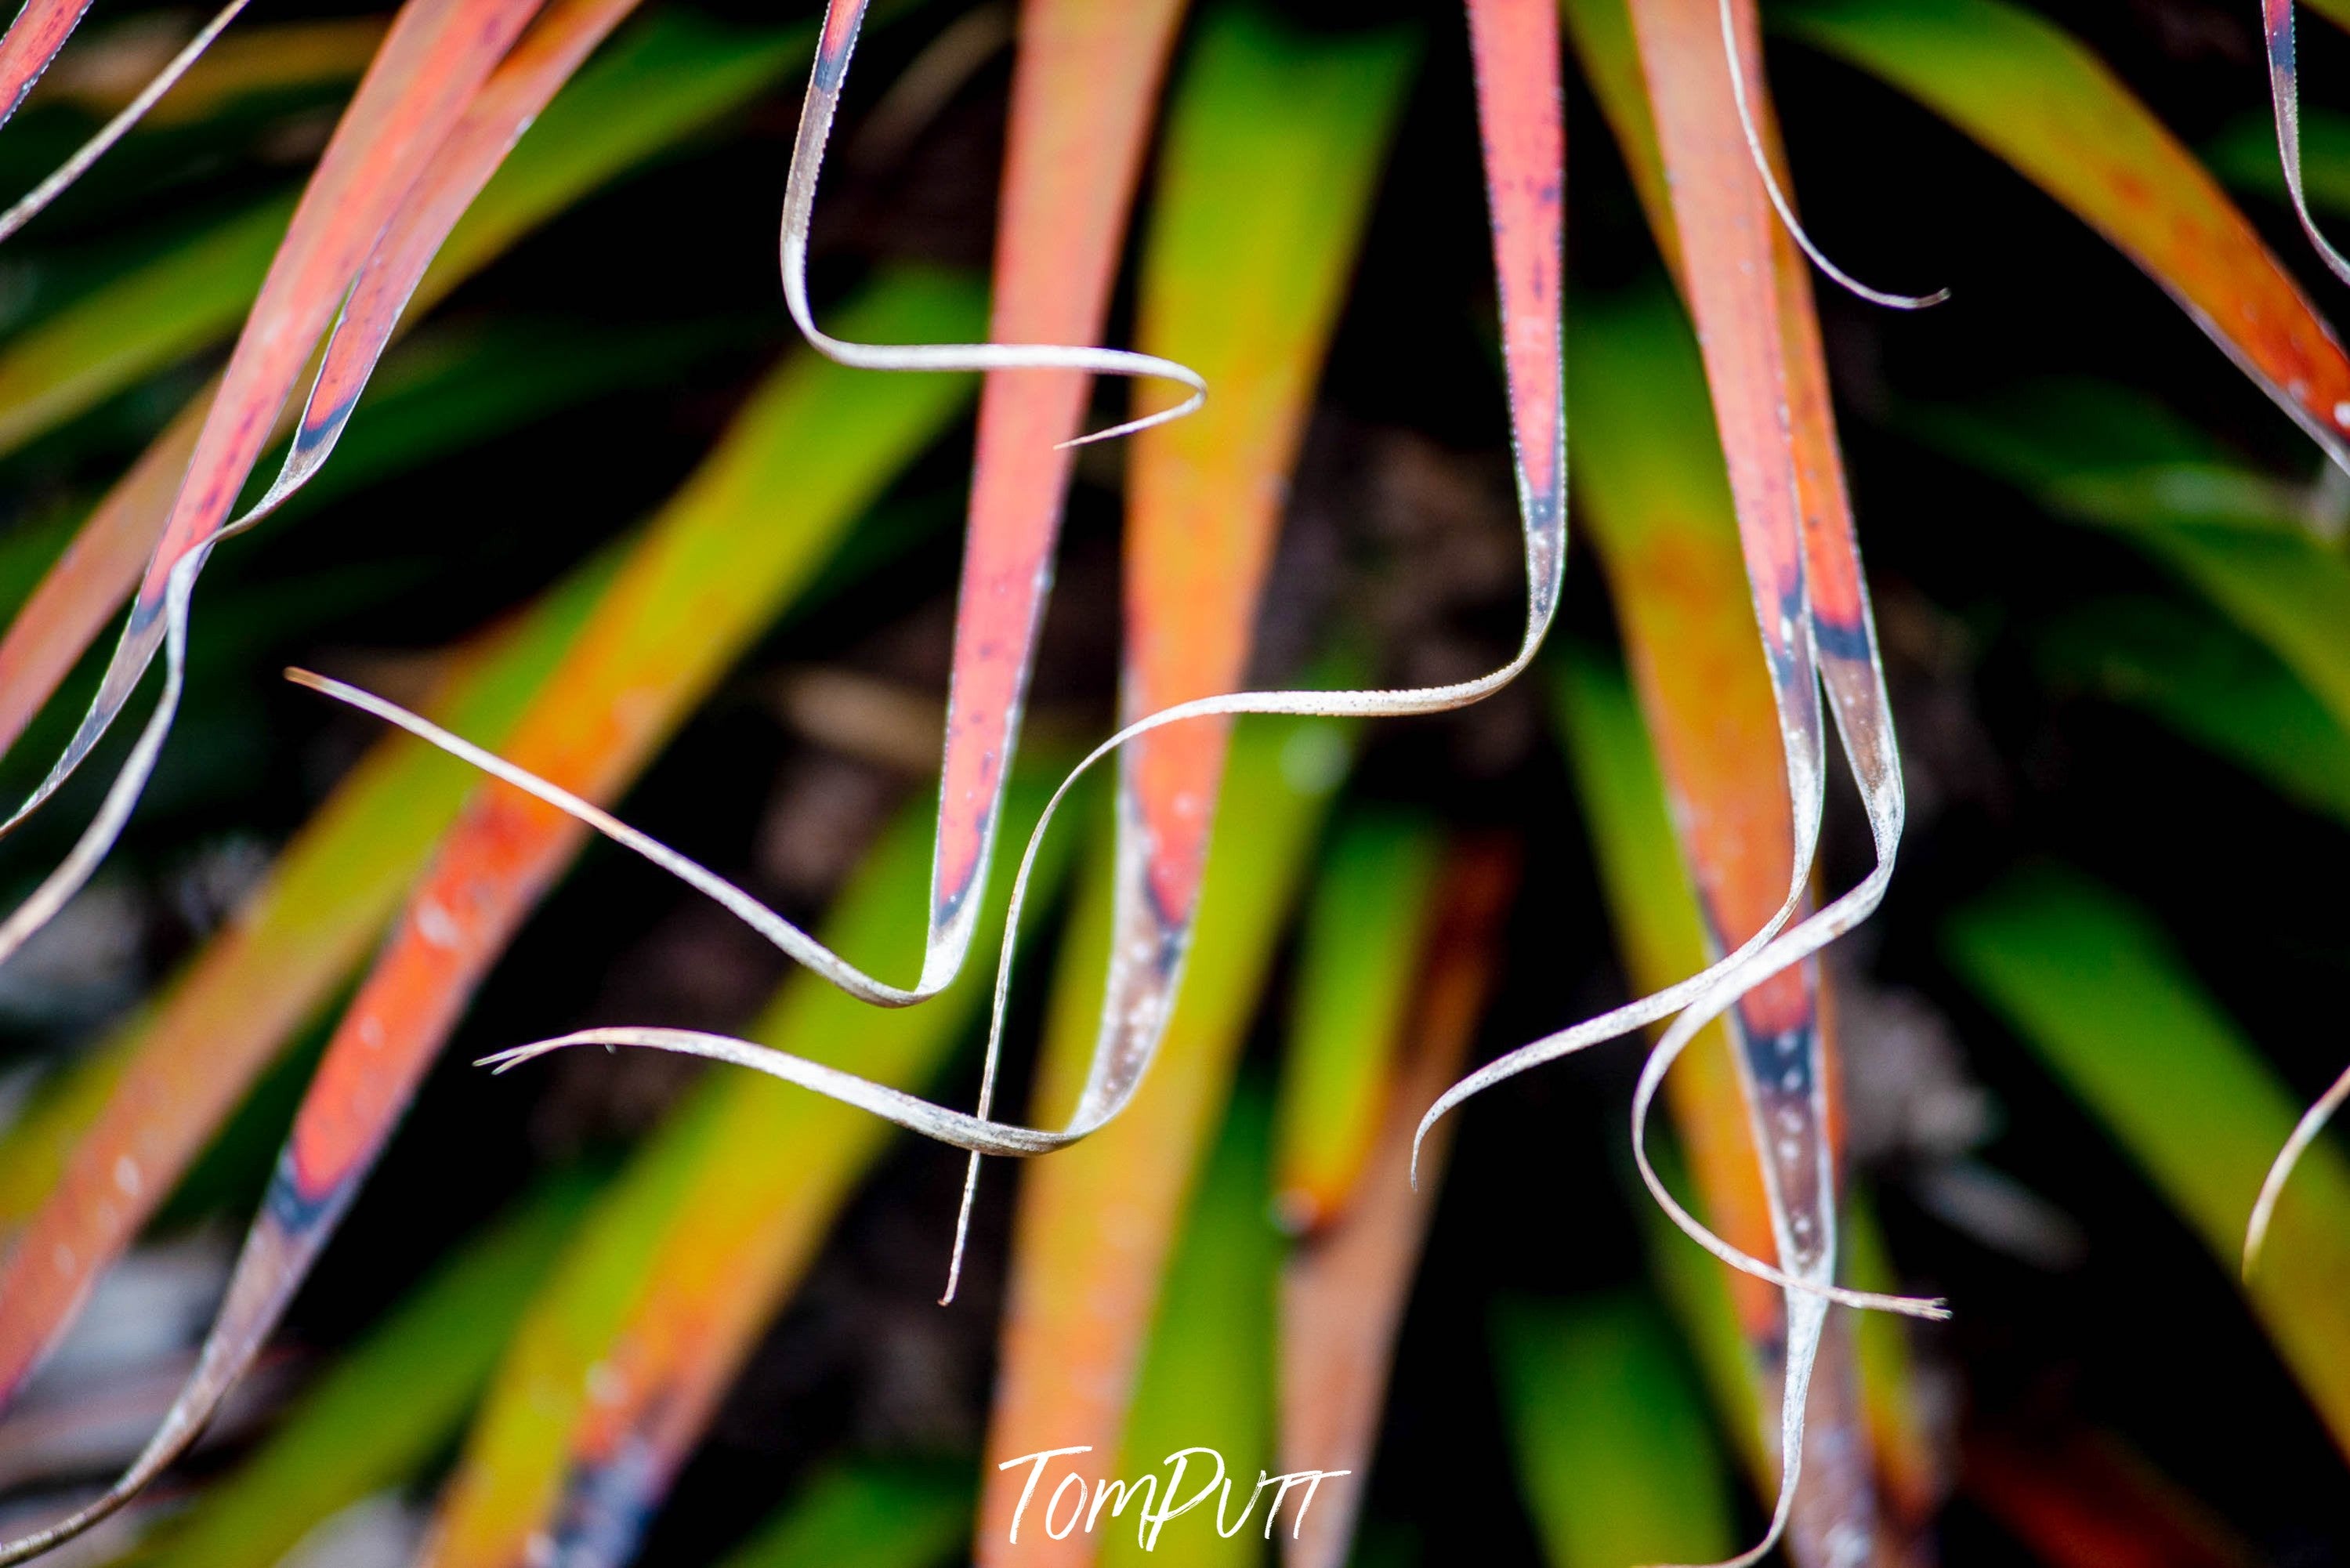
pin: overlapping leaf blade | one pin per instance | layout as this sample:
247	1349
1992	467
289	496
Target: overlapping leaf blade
390	1401
1274	146
713	570
1661	519
434	59
607	1389
1081	114
1749	293
1264	186
1347	1283
2040	101
664	82
1097	1222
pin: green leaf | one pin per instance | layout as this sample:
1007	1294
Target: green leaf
1207	1378
1615	1455
2211	683
2245	541
2090	984
867	1514
2245	156
1357	956
386	1405
663	80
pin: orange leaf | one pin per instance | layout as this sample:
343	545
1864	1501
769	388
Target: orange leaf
1343	1290
2036	97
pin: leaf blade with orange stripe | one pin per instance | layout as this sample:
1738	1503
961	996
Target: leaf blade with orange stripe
1661	521
596	1410
1096	1222
709	573
1083	93
2041	102
1347	1283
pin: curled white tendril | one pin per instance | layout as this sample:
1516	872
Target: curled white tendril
975	1131
33	202
1785	208
2304	1133
817	113
2284	100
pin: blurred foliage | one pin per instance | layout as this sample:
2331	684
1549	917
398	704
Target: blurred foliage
2115	606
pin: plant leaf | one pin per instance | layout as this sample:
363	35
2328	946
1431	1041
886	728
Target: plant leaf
1359	954
1760	340
1207	1374
1084	87
2036	98
101	1153
711	572
1662	520
32	41
2208	682
1345	1285
2284	100
1796	523
1613	1449
540	64
389	1403
869	1514
585	1430
1738	1324
1097	1222
1273	146
1167	786
2097	991
152	317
